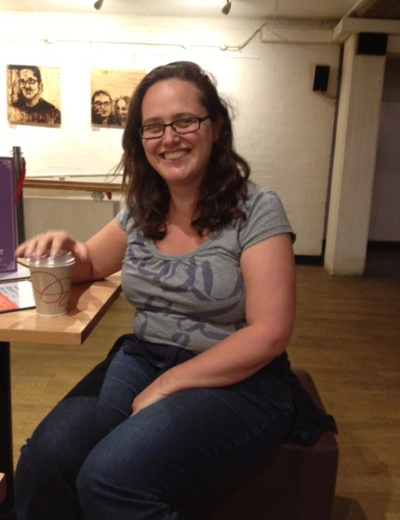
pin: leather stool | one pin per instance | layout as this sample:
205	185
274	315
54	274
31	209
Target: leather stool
294	482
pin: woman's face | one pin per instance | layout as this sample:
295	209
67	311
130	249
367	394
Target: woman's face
121	110
179	159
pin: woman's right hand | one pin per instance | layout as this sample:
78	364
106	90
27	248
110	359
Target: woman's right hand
55	241
99	257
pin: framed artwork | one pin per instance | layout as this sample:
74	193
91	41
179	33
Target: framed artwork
33	95
111	91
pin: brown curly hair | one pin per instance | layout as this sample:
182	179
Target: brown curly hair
224	184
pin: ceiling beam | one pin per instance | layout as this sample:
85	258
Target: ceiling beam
348	26
301	32
359	4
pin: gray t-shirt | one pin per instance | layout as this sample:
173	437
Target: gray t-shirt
195	300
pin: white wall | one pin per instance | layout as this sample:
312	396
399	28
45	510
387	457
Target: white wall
82	218
281	126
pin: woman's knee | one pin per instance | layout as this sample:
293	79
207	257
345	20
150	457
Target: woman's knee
109	489
99	477
63	438
125	459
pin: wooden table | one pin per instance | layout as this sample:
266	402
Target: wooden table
88	304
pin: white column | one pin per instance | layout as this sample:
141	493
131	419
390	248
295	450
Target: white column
354	161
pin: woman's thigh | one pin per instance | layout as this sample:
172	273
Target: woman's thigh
126	377
178	444
70	431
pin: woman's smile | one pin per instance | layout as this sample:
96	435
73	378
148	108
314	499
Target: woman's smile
174	156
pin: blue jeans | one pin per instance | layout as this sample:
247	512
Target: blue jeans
90	459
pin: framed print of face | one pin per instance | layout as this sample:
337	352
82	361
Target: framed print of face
33	95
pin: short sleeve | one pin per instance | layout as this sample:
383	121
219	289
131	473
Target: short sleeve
122	218
266	217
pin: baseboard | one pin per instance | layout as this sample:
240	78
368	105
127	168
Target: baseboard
377	245
309	260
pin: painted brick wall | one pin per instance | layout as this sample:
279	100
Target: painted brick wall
281	126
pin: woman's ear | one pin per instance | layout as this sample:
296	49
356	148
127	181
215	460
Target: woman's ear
217	125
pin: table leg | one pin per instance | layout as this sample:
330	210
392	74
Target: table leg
6	445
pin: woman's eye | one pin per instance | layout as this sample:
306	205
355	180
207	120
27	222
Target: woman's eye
184	123
153	129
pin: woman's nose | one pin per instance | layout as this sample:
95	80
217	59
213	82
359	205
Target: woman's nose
170	135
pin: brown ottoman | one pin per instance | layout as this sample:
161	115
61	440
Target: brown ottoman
293	483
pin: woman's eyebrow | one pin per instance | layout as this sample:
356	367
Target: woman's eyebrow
159	120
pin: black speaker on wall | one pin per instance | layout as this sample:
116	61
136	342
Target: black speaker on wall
372	44
321	78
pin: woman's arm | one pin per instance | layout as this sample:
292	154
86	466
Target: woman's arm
95	259
268	271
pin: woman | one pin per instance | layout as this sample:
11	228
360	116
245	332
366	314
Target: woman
121	106
203	384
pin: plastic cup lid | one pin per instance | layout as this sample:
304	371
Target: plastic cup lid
62	259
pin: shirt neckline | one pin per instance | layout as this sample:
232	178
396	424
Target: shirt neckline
151	244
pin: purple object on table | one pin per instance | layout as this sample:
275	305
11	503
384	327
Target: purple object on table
8	230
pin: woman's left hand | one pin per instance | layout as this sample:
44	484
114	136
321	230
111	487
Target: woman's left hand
148	396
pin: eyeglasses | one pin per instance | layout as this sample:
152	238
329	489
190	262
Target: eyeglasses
29	81
183	126
99	104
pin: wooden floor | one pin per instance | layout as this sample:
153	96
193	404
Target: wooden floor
347	336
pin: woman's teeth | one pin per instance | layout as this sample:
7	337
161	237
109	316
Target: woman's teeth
171	156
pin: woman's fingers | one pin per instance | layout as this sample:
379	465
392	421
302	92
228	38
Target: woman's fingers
54	241
61	241
28	248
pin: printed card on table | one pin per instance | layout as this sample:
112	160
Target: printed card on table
16	296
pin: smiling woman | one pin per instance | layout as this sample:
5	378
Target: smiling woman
203	384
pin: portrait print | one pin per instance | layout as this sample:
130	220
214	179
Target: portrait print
111	91
33	95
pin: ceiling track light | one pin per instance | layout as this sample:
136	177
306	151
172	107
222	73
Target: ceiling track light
98	4
227	7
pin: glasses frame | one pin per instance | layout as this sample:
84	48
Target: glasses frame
99	104
164	126
29	81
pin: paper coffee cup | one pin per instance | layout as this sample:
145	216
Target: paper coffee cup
51	282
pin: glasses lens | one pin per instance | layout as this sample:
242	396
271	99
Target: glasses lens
182	126
185	126
30	81
152	131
